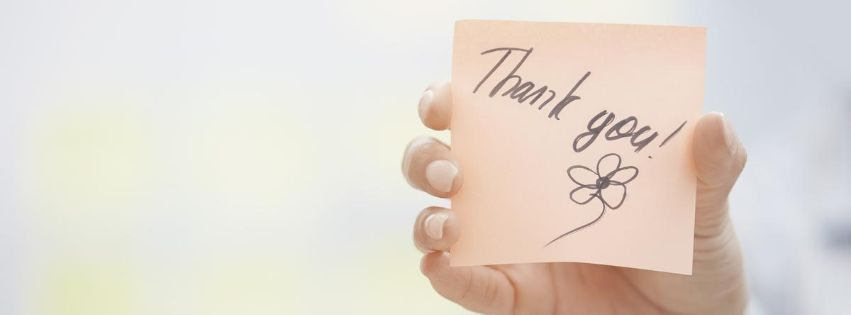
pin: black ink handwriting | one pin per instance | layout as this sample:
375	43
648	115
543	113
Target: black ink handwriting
522	91
625	128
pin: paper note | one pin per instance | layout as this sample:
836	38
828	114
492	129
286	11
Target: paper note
575	143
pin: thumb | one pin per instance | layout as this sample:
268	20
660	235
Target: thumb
719	159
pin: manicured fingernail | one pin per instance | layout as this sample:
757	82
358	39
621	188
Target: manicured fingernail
425	103
441	175
434	225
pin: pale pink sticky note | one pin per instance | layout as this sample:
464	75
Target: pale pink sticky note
537	106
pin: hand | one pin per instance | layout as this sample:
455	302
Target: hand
717	285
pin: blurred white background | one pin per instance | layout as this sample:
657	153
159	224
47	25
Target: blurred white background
213	157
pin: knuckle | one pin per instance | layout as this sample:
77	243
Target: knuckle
491	291
465	291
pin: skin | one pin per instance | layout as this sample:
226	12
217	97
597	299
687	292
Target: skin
717	285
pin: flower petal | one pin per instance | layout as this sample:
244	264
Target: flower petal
583	194
582	175
614	195
623	175
608	163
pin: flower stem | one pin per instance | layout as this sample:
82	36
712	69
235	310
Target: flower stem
579	228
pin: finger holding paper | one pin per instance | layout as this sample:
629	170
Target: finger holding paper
428	165
435	229
435	105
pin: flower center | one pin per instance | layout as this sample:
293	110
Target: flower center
602	182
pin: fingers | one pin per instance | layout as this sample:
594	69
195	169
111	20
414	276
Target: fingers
435	106
428	165
719	159
477	288
435	229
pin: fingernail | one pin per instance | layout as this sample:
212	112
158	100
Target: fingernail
434	225
441	175
425	103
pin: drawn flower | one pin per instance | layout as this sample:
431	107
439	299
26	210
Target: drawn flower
607	183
